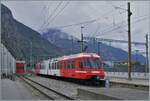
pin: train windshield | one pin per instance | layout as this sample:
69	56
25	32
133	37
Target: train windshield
92	63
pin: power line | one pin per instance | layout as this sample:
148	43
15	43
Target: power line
84	22
53	12
118	27
122	23
58	13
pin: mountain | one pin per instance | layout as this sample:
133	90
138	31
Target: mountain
71	45
21	40
61	39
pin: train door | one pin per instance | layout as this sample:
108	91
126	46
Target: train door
46	65
42	69
38	67
50	68
64	68
55	68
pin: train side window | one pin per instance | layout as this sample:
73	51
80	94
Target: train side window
41	66
68	64
73	64
65	65
58	65
55	65
81	64
49	66
52	65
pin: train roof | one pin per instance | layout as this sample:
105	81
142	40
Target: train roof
20	61
79	55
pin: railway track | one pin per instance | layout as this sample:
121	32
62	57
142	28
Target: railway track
48	92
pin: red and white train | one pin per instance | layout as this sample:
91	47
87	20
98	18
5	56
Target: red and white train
82	66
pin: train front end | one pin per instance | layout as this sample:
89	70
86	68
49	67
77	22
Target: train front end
92	69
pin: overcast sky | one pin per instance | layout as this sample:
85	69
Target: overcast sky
40	15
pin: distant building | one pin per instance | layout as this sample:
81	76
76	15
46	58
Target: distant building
109	64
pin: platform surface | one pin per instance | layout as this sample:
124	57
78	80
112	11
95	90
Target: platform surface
141	82
14	90
112	94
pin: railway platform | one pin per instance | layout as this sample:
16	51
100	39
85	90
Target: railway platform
15	90
112	94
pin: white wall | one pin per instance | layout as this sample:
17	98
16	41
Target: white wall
7	61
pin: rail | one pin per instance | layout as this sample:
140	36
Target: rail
32	83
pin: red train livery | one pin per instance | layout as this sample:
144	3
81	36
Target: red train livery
83	66
20	67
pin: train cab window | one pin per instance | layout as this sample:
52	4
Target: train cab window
87	63
91	63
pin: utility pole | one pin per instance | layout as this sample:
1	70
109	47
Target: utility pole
147	64
129	43
72	45
99	48
82	48
136	58
81	39
30	54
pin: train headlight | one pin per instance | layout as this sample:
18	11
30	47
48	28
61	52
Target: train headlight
105	73
98	77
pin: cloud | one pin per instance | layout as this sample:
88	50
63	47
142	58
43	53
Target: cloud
34	13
